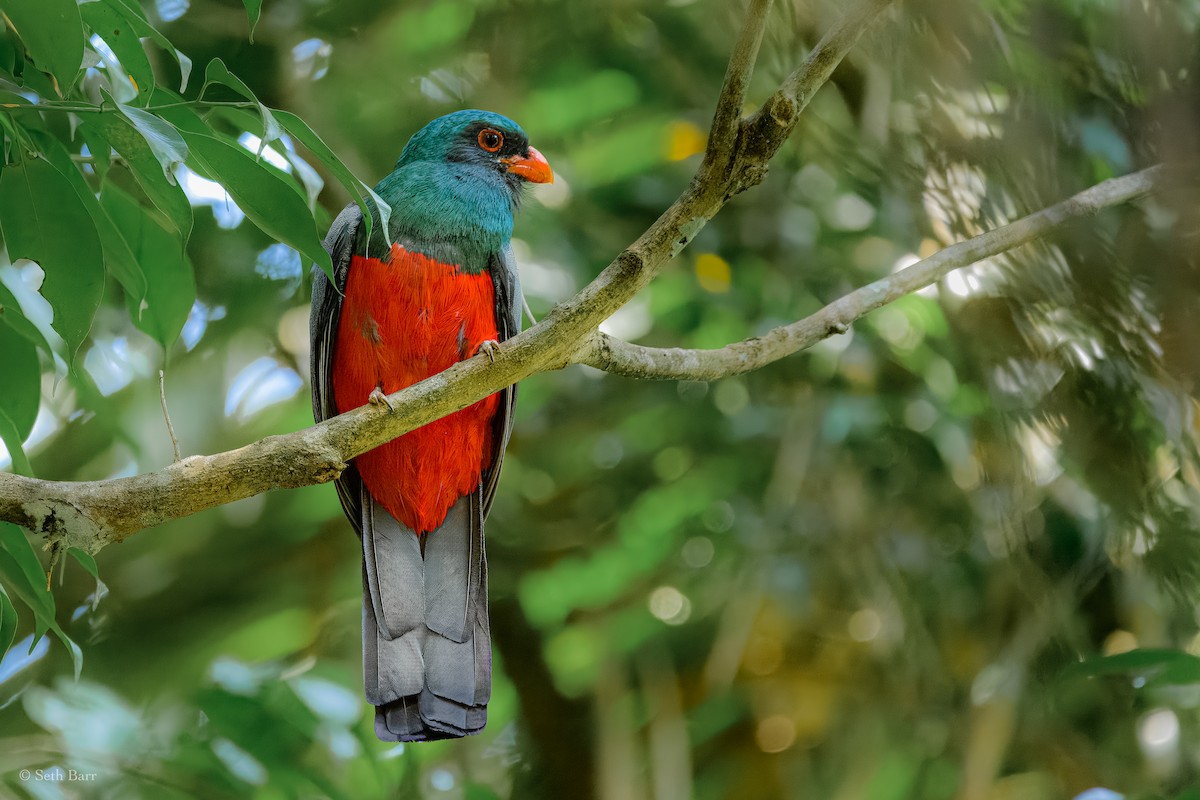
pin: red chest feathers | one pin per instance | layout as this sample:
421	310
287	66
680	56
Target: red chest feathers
402	322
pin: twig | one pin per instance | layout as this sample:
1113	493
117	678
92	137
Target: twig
635	361
93	108
162	397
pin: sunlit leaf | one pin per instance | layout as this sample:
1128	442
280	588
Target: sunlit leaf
11	314
162	190
165	142
217	72
133	14
299	130
188	121
267	199
45	221
116	31
53	34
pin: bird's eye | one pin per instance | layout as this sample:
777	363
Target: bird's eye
491	139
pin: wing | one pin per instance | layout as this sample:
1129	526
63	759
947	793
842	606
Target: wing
507	284
340	243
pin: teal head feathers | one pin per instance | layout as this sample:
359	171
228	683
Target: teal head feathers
457	183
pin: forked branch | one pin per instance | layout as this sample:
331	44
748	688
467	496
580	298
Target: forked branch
631	360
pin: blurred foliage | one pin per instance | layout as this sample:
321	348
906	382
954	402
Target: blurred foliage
952	553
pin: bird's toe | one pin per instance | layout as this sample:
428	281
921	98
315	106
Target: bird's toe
489	346
378	398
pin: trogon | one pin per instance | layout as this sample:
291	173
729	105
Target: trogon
439	285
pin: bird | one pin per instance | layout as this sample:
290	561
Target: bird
438	284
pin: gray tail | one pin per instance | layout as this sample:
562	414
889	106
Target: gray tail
427	655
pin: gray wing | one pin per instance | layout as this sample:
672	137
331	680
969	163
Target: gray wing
506	282
340	243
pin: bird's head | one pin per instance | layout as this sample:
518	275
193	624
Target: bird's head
479	138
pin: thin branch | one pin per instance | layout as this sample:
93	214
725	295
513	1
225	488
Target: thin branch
722	137
635	361
162	398
91	514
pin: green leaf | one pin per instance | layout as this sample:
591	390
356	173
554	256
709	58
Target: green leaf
86	561
52	31
302	177
18	133
98	147
12	55
299	130
72	648
89	564
1180	672
21	388
163	191
253	12
8	622
165	142
118	256
269	200
20	567
132	12
171	285
217	72
45	221
116	31
1142	661
12	440
11	314
310	179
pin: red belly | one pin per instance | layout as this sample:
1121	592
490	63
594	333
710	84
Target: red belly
402	322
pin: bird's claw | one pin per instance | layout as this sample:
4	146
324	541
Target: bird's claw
491	347
378	398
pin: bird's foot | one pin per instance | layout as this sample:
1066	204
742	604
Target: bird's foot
378	398
489	346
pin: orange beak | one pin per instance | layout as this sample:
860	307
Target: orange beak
533	168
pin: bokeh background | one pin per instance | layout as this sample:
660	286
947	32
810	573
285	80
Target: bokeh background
950	554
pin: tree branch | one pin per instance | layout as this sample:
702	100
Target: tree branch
635	361
92	514
722	137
